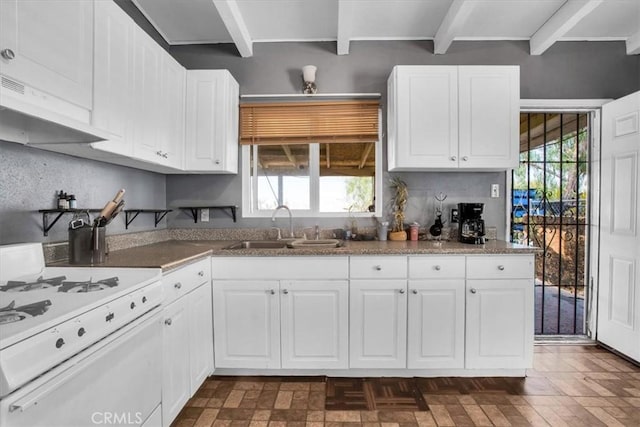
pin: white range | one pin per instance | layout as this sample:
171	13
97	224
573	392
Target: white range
78	346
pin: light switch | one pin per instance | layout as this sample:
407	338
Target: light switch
204	215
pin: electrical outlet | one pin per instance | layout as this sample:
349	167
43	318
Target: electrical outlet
204	215
495	191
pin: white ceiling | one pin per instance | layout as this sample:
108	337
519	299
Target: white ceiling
245	22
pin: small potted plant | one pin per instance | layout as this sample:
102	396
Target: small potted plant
399	204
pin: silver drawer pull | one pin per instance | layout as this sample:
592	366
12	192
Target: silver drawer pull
401	291
415	291
167	322
378	267
7	54
177	285
201	273
473	290
272	292
284	291
465	158
453	158
437	268
501	267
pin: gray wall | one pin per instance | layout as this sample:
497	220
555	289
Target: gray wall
30	179
567	70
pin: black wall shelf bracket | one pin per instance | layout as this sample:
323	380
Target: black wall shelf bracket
131	214
194	210
47	225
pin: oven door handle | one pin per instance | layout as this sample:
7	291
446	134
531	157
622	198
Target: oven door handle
34	398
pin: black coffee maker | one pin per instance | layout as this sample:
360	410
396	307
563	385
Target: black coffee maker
470	223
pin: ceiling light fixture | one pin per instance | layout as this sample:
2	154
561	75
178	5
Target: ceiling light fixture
309	78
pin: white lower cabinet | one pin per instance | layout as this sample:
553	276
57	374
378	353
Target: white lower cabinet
246	323
378	323
435	336
499	324
175	360
313	319
200	336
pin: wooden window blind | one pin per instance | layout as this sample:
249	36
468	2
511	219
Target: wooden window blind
309	122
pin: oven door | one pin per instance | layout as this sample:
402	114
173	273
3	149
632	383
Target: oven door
117	381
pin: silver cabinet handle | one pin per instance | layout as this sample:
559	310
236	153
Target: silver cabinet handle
217	162
401	291
378	268
453	158
473	290
415	291
165	155
167	322
501	267
177	285
284	291
201	273
8	54
272	292
465	158
437	268
159	153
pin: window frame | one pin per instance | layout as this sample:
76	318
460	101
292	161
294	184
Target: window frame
314	185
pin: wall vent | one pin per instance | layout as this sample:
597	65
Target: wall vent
12	85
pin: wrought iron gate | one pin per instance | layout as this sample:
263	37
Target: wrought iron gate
550	209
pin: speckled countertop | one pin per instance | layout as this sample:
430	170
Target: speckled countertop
175	253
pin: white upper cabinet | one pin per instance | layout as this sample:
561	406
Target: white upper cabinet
113	82
48	45
453	117
171	140
211	144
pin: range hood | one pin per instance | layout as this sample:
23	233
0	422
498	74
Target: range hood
28	116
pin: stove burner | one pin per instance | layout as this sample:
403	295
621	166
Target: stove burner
11	313
88	286
39	283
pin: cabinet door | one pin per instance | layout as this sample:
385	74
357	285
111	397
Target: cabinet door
489	110
499	324
436	324
246	319
146	82
314	324
53	45
211	142
175	360
200	335
423	126
171	144
378	324
113	83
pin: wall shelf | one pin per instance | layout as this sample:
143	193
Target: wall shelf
46	225
194	210
131	214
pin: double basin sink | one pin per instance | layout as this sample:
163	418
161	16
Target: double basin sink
282	244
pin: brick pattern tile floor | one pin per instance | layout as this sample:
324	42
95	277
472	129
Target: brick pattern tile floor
568	386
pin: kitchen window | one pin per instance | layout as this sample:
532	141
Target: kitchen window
321	159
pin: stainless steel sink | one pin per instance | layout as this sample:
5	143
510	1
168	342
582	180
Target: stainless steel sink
258	244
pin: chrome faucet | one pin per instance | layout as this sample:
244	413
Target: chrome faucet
317	232
273	217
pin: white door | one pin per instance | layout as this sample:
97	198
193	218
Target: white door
113	83
619	282
424	118
435	336
175	360
315	324
489	116
246	321
53	46
378	324
499	324
200	335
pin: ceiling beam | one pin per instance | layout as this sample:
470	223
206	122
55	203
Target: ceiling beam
453	21
345	20
633	44
560	23
232	18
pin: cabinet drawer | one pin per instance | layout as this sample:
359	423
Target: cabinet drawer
500	267
378	267
280	268
436	267
180	282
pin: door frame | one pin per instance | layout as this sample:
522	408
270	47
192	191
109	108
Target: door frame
594	107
